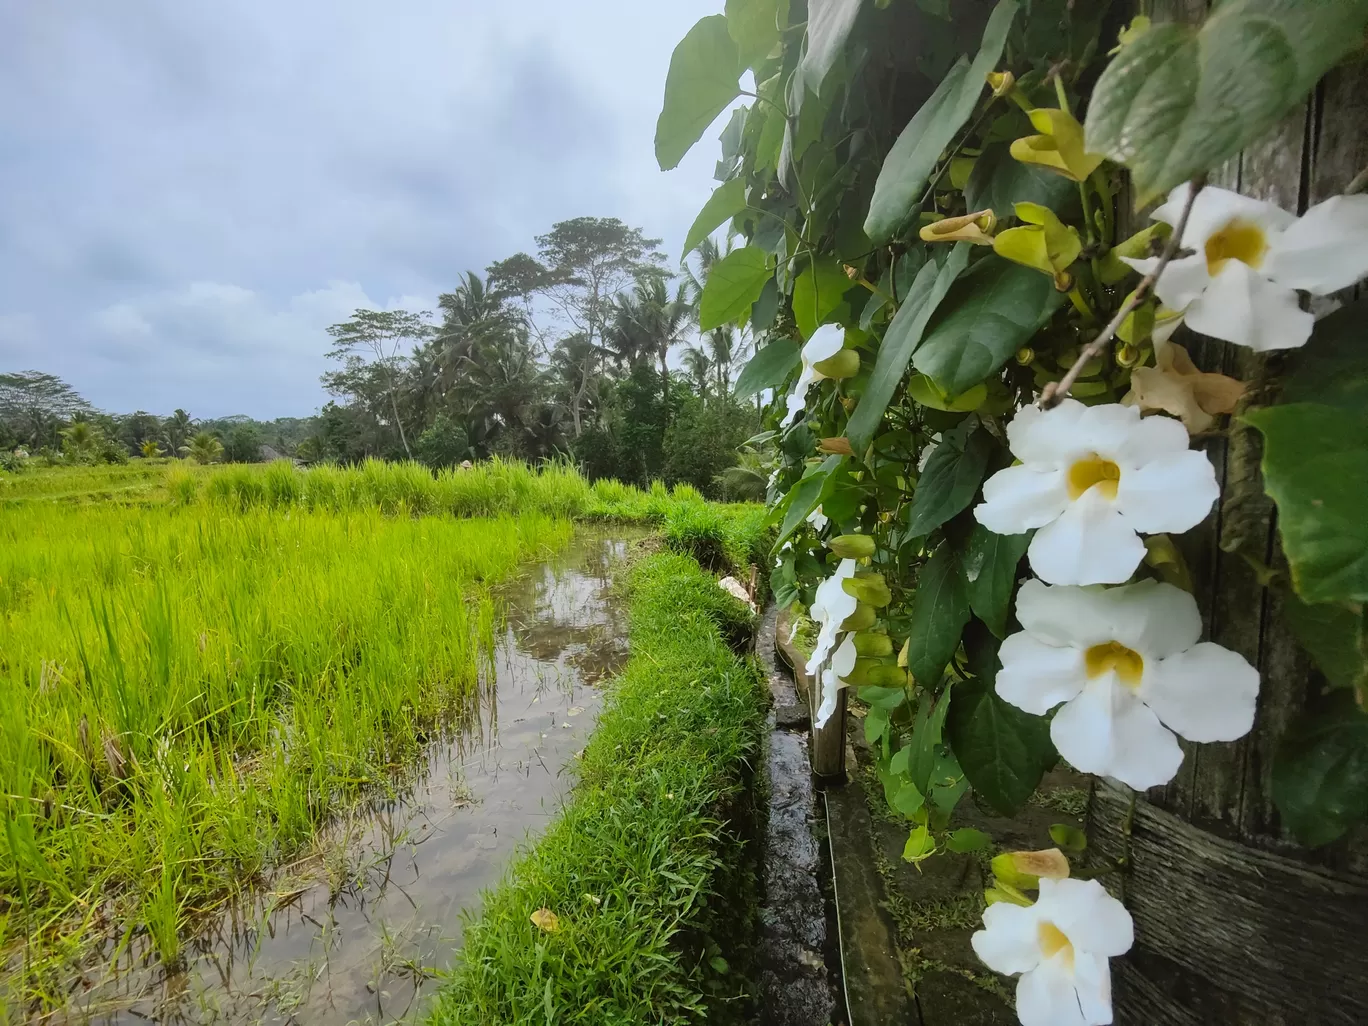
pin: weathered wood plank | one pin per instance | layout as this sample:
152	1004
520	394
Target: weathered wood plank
1229	934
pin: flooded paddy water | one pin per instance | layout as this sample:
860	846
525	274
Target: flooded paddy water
358	931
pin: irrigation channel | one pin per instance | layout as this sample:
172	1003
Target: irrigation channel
355	933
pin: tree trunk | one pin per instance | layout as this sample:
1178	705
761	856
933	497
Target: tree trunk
1235	922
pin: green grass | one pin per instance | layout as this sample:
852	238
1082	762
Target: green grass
186	694
138	481
647	867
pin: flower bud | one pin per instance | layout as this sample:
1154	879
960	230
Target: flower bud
862	619
1007	893
1023	869
1127	355
1001	83
851	272
873	646
869	589
845	364
838	446
1025	355
973	228
852	546
886	675
902	655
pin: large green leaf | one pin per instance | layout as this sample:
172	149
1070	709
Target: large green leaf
909	164
951	477
727	200
1320	775
733	285
1180	100
1003	751
806	496
940	609
990	566
1315	467
704	77
754	26
817	292
1336	638
901	339
768	368
988	316
999	181
1332	368
828	28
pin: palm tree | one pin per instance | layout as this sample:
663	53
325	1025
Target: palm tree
722	354
699	366
150	449
649	322
204	448
81	441
176	431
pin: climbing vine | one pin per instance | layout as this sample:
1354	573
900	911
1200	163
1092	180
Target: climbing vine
982	420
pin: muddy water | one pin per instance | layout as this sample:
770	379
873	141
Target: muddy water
356	933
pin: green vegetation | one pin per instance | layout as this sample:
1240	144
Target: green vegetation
646	870
187	694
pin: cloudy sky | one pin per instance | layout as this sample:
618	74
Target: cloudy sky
191	191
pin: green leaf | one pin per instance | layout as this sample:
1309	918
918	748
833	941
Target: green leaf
999	181
908	166
806	496
883	698
901	339
1002	750
875	724
940	609
1332	368
1336	638
920	844
952	476
968	839
1320	774
1179	101
828	28
990	566
704	77
766	308
990	313
727	200
1315	467
817	292
908	800
733	285
754	26
898	764
769	367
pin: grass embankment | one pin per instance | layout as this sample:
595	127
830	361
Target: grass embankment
187	694
645	870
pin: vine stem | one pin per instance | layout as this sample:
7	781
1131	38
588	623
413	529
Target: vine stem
1055	392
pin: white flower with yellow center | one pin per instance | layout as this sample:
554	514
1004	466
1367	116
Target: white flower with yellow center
830	607
1249	257
1092	479
1129	670
1060	946
825	343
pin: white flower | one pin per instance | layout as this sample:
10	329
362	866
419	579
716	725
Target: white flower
1060	945
1130	671
830	606
825	343
1249	257
1092	478
842	665
818	520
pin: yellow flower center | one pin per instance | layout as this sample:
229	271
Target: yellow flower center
1094	471
1052	941
1127	663
1239	240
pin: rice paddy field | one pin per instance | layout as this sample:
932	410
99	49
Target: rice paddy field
201	667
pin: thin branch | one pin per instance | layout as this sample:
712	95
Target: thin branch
1055	392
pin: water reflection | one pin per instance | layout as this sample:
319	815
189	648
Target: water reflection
355	932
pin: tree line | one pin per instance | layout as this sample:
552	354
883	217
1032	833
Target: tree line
565	353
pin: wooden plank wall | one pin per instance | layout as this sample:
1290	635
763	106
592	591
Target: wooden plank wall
1235	922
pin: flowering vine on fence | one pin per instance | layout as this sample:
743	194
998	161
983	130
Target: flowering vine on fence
986	382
